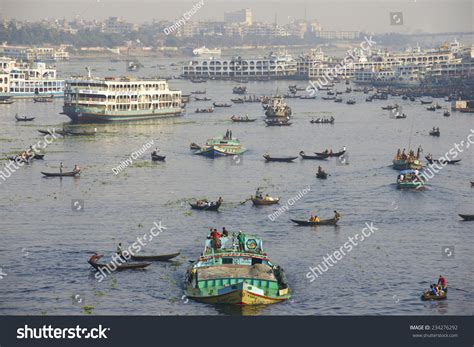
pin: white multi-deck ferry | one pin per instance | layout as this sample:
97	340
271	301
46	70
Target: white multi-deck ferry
23	80
111	99
272	66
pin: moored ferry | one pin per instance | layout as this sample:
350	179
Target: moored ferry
235	270
116	99
23	80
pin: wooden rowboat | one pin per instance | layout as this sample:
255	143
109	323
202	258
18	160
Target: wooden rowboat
24	119
58	174
242	120
314	157
467	217
163	257
156	157
263	202
119	267
332	221
206	207
428	296
337	154
431	161
322	175
279	159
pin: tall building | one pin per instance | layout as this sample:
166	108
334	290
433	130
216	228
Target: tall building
243	16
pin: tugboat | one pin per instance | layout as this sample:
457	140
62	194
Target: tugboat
235	270
221	146
278	108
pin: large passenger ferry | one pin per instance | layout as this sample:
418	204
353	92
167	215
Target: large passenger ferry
111	99
23	80
273	66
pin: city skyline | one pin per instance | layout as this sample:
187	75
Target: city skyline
454	16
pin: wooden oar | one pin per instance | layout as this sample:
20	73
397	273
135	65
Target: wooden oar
243	202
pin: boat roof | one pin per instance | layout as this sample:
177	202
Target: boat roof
408	171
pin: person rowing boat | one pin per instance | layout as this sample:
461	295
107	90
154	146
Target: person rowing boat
443	283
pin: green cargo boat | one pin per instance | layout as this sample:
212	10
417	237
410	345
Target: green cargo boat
236	274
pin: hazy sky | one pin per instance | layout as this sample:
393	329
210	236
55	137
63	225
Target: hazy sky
418	15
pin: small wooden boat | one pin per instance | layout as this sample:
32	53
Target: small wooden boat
205	110
80	133
24	119
213	206
313	157
64	174
401	116
198	80
322	175
428	296
329	154
221	105
323	120
425	102
237	100
467	217
446	113
43	98
5	100
119	267
280	159
390	107
350	102
264	201
332	221
277	123
59	132
435	133
163	257
195	147
199	92
202	99
242	119
328	98
431	108
437	161
156	157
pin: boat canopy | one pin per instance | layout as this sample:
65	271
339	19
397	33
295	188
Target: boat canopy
408	171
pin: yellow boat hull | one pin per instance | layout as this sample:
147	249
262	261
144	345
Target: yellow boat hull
239	297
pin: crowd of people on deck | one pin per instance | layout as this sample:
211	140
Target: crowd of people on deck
401	155
215	238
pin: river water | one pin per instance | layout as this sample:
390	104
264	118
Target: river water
45	242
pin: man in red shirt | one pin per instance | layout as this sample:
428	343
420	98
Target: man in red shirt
443	283
215	237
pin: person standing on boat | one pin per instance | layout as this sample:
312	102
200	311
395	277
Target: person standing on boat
443	283
119	249
215	237
230	134
337	215
61	168
241	239
225	233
